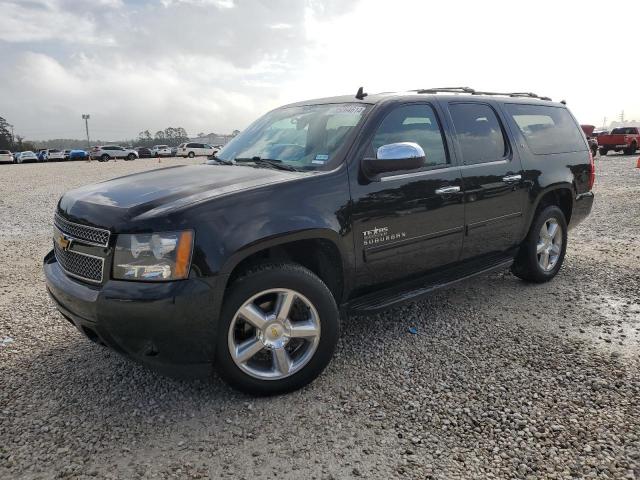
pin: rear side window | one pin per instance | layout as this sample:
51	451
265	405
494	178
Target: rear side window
413	123
624	131
478	132
546	129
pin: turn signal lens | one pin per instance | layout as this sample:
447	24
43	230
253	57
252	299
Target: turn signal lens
592	171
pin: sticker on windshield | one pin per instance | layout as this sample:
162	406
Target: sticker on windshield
320	159
349	109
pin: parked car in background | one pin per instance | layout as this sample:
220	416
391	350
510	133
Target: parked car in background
625	139
66	154
5	156
26	156
78	155
52	154
108	152
194	150
40	155
144	152
174	151
161	151
593	141
15	156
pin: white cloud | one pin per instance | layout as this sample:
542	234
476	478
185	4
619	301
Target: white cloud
214	65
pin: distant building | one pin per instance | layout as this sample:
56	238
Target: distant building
213	139
626	123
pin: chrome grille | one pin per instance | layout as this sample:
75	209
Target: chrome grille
84	233
80	265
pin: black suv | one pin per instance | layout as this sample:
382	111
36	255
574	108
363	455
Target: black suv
316	210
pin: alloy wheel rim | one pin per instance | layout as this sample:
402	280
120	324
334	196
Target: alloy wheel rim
549	244
274	334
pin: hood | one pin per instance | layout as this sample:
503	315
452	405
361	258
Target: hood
159	192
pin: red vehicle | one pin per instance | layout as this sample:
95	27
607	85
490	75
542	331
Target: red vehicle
593	142
625	139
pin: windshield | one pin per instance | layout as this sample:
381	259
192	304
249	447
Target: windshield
306	137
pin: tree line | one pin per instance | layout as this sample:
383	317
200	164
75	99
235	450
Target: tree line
171	136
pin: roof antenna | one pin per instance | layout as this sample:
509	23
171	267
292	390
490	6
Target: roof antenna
360	95
564	102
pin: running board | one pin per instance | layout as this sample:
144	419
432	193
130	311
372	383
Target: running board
417	289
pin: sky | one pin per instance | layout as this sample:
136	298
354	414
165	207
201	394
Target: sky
216	65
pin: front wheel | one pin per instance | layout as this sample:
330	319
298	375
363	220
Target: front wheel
104	158
542	253
191	155
603	151
278	330
131	156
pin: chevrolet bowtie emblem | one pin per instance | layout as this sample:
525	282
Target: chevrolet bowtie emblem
63	242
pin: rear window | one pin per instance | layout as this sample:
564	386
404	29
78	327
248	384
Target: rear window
547	130
4	152
624	131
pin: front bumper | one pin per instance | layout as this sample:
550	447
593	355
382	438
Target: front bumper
168	326
581	208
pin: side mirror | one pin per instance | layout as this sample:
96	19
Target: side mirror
395	157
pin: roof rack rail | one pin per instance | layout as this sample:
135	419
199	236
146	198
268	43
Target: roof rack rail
471	91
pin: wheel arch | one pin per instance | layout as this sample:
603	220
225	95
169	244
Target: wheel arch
561	195
316	249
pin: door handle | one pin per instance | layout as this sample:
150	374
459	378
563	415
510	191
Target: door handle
447	190
512	178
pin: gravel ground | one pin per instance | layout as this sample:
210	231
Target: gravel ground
502	379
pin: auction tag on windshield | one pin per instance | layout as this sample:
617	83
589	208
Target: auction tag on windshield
349	109
320	159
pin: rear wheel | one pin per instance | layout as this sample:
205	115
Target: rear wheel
278	330
104	158
603	151
191	155
542	253
631	150
131	156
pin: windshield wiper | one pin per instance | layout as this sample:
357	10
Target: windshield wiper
269	162
213	158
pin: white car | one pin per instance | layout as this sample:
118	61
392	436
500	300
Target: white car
107	152
53	154
195	150
161	151
26	156
5	156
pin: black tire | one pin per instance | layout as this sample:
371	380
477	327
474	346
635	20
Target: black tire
526	264
104	158
270	276
603	151
631	150
191	155
131	156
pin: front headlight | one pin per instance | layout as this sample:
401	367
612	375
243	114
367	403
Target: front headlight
153	257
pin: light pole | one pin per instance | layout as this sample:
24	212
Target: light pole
85	117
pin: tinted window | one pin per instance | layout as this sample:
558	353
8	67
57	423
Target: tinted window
413	123
4	152
547	129
478	132
192	145
624	131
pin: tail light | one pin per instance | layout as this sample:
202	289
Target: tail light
592	171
